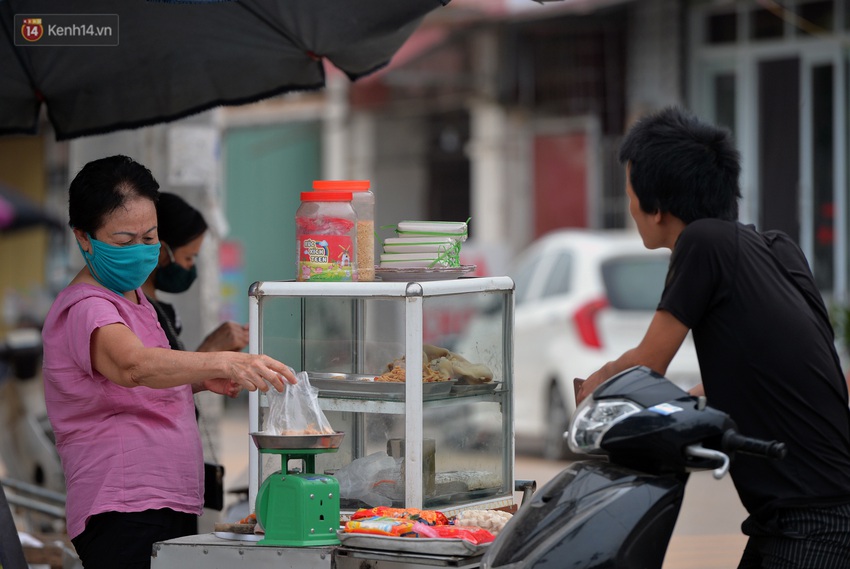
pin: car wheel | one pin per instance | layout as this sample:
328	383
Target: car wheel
558	421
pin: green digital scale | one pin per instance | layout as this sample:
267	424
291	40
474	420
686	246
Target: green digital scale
298	508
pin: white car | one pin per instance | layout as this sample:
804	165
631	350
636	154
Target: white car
582	298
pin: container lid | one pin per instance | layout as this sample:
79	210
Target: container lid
427	256
345	185
432	227
326	196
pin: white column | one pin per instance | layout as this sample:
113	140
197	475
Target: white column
334	121
486	154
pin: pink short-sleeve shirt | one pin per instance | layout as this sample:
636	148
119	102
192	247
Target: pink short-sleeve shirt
122	449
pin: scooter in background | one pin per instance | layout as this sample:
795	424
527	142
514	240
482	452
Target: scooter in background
619	510
30	468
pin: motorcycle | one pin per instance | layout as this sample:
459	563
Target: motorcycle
619	509
32	472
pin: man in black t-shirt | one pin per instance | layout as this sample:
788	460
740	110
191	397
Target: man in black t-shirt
762	334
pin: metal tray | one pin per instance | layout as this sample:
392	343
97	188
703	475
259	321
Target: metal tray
296	442
422	545
474	388
343	383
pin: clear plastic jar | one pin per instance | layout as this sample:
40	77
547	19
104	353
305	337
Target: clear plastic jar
363	202
326	232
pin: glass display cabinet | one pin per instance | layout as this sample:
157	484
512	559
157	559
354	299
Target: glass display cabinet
440	439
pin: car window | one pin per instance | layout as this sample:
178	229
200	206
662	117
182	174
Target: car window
636	282
523	278
558	278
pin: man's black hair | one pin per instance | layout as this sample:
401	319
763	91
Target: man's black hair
681	165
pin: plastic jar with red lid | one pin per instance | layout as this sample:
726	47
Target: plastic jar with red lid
326	232
363	202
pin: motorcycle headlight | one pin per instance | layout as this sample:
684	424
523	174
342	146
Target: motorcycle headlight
592	420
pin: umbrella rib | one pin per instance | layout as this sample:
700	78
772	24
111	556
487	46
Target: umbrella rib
279	30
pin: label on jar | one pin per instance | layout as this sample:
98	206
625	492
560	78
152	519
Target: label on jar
325	258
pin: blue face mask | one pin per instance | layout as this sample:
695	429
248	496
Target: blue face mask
120	268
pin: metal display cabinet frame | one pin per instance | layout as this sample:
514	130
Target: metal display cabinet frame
413	295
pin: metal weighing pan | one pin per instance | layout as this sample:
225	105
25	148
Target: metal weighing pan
297	442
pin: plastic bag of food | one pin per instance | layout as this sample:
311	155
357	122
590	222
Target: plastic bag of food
430	517
471	534
296	411
392	527
371	479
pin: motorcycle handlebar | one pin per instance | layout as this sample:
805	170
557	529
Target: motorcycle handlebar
734	442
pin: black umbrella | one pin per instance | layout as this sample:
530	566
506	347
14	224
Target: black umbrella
106	65
19	212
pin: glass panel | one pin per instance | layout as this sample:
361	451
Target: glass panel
779	145
822	176
816	17
635	283
522	278
463	451
721	28
765	24
560	276
724	100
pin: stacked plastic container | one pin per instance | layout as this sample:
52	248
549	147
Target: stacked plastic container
326	235
424	244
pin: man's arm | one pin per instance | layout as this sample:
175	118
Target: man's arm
661	342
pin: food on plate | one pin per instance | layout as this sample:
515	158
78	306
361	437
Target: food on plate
249	519
309	430
456	365
491	520
440	364
399	374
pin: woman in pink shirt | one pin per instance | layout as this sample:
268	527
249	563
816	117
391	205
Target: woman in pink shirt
118	398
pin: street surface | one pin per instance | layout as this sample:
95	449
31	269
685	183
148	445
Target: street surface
707	534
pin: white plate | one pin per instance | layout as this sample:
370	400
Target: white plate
238	536
412	274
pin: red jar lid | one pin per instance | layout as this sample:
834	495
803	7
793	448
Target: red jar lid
326	196
345	185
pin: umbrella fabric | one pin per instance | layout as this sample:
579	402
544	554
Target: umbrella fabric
18	212
174	59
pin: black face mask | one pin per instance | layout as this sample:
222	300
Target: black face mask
173	277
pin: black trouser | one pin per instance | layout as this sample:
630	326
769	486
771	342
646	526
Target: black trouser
125	539
807	538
